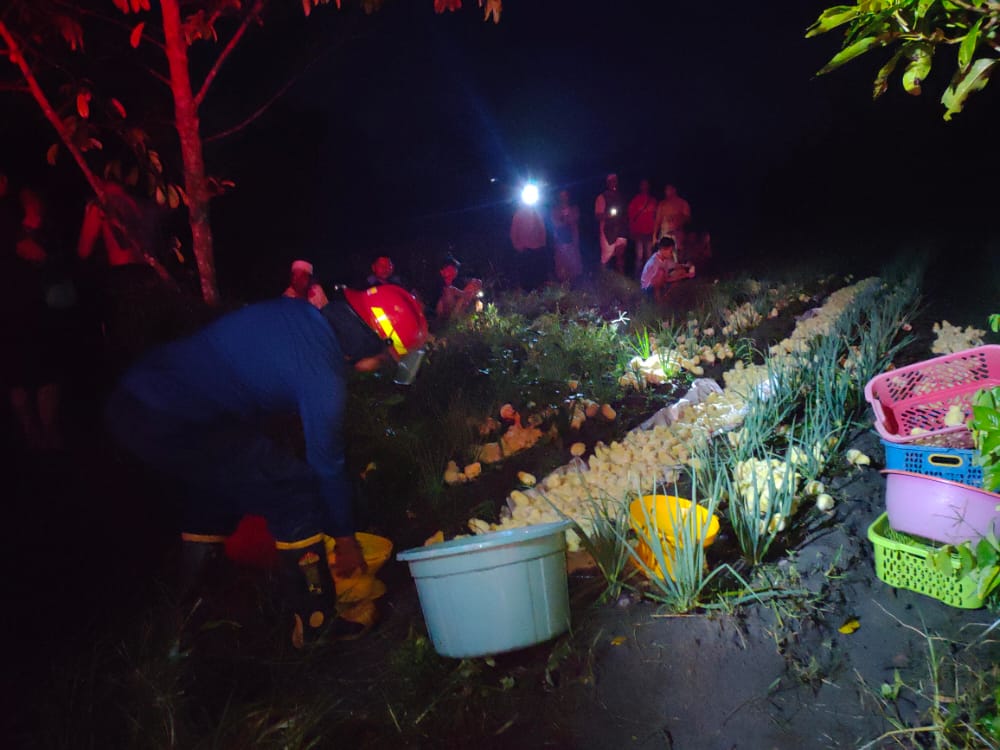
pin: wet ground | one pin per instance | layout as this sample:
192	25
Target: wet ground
85	553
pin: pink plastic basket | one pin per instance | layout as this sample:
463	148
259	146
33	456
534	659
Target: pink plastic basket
917	398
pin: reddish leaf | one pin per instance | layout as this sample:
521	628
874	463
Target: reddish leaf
51	154
119	108
70	31
161	197
493	8
83	104
136	36
173	199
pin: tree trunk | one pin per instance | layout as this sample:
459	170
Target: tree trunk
186	121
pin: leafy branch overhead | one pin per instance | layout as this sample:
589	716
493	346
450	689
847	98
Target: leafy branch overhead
103	137
914	31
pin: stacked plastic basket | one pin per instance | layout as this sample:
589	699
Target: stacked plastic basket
934	492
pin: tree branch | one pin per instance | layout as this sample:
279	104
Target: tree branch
16	56
257	113
252	15
158	76
277	95
113	21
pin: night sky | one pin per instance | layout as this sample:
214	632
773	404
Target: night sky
391	136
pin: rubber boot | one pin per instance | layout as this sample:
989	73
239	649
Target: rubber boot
201	566
308	587
202	558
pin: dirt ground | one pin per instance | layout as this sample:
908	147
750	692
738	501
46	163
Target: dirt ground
776	674
772	675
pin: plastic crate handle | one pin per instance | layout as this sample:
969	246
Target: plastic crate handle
945	460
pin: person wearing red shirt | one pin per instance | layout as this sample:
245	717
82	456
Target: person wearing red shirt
641	216
530	243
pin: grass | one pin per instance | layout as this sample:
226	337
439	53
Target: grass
959	698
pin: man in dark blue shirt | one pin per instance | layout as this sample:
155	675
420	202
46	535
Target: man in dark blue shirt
193	411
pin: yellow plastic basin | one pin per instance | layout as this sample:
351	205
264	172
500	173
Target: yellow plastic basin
666	513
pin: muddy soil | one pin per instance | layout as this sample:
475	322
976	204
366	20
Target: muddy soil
777	674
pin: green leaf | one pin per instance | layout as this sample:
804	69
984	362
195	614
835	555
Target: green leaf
990	442
991	477
995	322
986	418
882	79
974	79
968	47
986	553
966	561
850	52
990	578
940	560
831	18
921	56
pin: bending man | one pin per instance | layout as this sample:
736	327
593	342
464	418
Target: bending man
192	410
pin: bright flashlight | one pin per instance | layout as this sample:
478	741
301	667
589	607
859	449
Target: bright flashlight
613	211
529	195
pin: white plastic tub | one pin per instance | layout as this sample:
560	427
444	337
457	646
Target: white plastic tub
494	592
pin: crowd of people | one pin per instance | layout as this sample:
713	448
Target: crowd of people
103	303
190	407
628	229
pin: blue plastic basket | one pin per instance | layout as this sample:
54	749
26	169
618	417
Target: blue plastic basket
956	464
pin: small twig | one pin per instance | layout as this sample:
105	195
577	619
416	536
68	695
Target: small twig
919	632
251	15
897	733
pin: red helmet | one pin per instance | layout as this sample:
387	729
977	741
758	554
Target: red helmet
393	313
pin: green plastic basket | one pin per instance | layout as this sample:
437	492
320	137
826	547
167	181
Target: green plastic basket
901	561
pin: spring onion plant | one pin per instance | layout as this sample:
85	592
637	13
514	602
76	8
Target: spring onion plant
771	404
881	336
759	505
677	551
608	543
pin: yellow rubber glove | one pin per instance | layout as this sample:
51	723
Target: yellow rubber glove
348	557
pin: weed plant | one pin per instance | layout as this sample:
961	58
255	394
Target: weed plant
960	698
641	343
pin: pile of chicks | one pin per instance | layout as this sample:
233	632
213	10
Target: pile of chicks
644	457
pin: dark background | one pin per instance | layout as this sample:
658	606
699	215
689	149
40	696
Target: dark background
397	122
